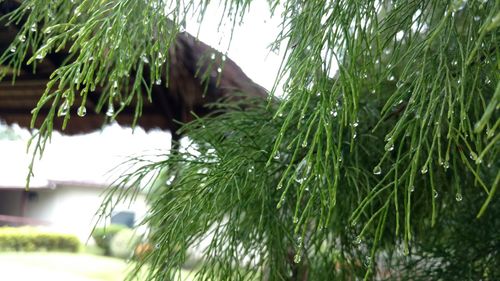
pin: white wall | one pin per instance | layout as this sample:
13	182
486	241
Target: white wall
72	209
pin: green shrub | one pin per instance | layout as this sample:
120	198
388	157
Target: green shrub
123	244
34	239
103	236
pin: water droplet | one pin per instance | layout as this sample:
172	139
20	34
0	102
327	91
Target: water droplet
77	12
368	261
115	84
22	38
391	78
473	156
212	56
304	143
280	186
111	110
477	18
458	197
446	165
251	169
13	49
144	58
277	156
435	193
219	70
158	82
295	220
373	91
297	258
399	84
387	51
406	251
63	109
39	56
33	27
357	240
490	133
454	63
224	57
412	188
377	170
424	169
333	113
157	245
487	80
389	146
302	172
280	203
458	5
82	111
355	124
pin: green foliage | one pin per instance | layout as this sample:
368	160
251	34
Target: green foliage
123	243
390	160
460	247
104	235
30	239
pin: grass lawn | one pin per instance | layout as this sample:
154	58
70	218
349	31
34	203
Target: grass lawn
63	267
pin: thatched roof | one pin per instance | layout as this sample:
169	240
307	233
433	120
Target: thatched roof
183	96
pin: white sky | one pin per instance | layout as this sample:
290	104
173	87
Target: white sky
250	42
89	158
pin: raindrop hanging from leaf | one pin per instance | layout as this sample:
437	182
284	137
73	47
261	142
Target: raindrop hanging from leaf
302	172
111	110
82	111
63	109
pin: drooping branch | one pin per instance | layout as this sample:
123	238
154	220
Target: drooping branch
197	75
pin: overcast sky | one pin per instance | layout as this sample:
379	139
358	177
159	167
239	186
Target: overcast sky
250	41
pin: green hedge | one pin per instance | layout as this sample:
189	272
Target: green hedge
104	235
33	239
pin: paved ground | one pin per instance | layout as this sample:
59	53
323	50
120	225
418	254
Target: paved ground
63	267
59	267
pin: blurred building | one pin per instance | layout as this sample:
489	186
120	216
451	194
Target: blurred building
71	178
